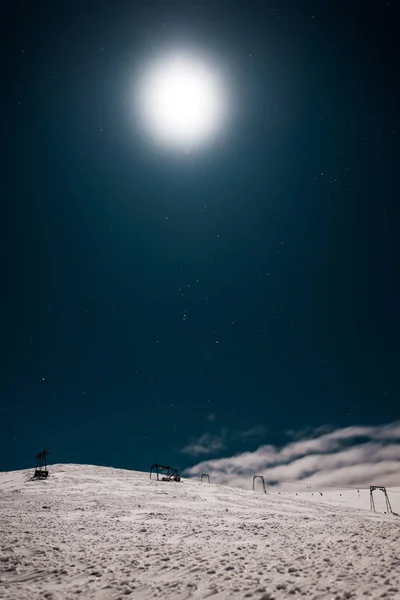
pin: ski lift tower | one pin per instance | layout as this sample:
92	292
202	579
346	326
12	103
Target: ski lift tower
167	473
262	481
41	471
382	488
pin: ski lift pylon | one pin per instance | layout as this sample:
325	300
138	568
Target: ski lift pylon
165	472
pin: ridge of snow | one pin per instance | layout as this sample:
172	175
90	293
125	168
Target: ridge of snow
102	533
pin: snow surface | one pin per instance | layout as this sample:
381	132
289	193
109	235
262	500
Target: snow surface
106	534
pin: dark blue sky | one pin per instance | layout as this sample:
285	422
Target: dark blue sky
150	297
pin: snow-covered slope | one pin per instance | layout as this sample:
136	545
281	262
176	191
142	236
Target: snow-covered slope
106	534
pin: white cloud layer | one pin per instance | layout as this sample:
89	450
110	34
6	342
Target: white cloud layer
354	456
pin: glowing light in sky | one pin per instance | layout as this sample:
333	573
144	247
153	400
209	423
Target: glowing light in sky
182	101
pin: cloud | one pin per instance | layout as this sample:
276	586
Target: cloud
353	456
254	432
206	444
210	443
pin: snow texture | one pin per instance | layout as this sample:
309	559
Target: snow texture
106	534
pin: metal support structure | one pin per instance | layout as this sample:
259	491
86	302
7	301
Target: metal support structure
372	488
263	482
41	471
205	475
167	473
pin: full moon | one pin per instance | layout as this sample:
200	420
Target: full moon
182	101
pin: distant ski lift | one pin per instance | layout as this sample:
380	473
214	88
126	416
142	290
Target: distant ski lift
372	488
262	480
205	476
41	471
164	473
